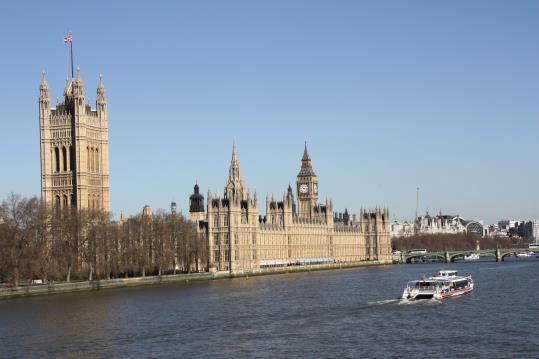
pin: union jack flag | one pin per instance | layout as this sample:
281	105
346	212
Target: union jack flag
69	39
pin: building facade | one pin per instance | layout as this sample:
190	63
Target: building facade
74	147
239	239
438	224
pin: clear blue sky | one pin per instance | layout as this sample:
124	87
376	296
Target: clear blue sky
390	95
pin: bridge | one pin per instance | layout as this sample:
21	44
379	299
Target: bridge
449	256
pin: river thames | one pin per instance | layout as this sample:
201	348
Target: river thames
349	313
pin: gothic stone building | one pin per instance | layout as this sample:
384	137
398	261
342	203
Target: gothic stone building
74	147
239	239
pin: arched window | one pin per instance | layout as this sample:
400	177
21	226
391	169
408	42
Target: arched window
92	162
57	201
57	160
64	157
96	160
88	163
65	199
71	158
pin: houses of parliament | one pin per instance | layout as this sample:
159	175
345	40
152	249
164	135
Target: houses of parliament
295	230
290	233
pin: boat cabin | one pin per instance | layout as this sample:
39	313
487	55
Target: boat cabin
447	273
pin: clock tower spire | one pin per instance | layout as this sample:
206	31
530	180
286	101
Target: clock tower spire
307	187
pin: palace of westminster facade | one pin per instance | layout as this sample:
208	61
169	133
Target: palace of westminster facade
239	239
75	172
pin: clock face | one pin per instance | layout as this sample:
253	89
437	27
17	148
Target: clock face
303	188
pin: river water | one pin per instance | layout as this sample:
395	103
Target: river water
330	314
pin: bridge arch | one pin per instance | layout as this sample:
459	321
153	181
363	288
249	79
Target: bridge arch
421	255
453	256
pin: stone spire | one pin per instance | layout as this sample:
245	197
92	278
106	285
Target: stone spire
306	154
289	191
234	188
306	164
234	171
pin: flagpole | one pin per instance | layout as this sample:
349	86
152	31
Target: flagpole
71	48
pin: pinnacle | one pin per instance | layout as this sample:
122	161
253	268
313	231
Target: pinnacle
43	77
101	84
305	153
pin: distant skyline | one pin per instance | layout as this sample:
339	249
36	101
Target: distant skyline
390	96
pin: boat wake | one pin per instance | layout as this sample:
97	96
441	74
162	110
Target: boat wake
396	302
431	301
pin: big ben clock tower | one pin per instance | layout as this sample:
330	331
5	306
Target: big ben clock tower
307	187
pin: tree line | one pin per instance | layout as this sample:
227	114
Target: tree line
455	242
41	242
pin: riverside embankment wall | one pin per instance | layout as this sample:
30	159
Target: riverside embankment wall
55	288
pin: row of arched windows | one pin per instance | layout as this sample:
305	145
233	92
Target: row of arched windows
63	158
92	159
93	201
62	201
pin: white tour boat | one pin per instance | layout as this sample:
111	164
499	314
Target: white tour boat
446	284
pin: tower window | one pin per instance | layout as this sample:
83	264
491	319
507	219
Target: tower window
92	159
64	157
57	160
88	160
71	158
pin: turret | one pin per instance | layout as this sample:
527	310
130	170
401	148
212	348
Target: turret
44	89
346	217
78	90
44	99
196	201
101	100
147	215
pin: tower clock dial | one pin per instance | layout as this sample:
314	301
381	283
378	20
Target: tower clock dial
303	188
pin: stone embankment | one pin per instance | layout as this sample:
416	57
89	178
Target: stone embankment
54	288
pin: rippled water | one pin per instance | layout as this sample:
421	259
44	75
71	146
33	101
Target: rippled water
332	314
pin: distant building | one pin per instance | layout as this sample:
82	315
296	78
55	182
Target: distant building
448	224
536	231
439	224
402	229
518	228
494	230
